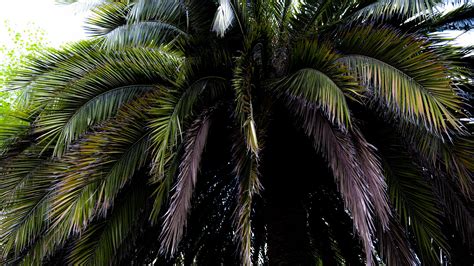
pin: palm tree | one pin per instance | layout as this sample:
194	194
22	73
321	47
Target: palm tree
243	132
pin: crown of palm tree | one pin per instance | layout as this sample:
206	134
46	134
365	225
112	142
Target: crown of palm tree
169	136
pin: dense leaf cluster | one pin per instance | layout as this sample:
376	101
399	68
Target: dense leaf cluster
244	132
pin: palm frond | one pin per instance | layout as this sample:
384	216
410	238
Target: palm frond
16	172
460	18
99	243
15	137
25	216
457	209
90	185
143	33
171	108
384	10
242	83
316	79
341	153
246	172
91	86
163	184
413	200
145	23
314	86
176	215
373	173
411	84
97	109
166	10
224	17
46	61
450	158
312	15
282	11
43	247
451	170
189	16
394	245
106	17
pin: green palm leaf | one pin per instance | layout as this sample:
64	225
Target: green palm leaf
91	87
97	109
25	216
106	17
147	23
90	186
318	80
413	200
313	15
174	106
171	108
99	243
412	85
144	33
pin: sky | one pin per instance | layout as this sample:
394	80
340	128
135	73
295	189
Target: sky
60	23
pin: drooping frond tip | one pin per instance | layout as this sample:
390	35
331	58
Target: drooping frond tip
223	18
176	216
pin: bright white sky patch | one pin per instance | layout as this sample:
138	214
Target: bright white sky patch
465	38
60	23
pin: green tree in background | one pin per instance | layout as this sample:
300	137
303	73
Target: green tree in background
244	132
14	52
